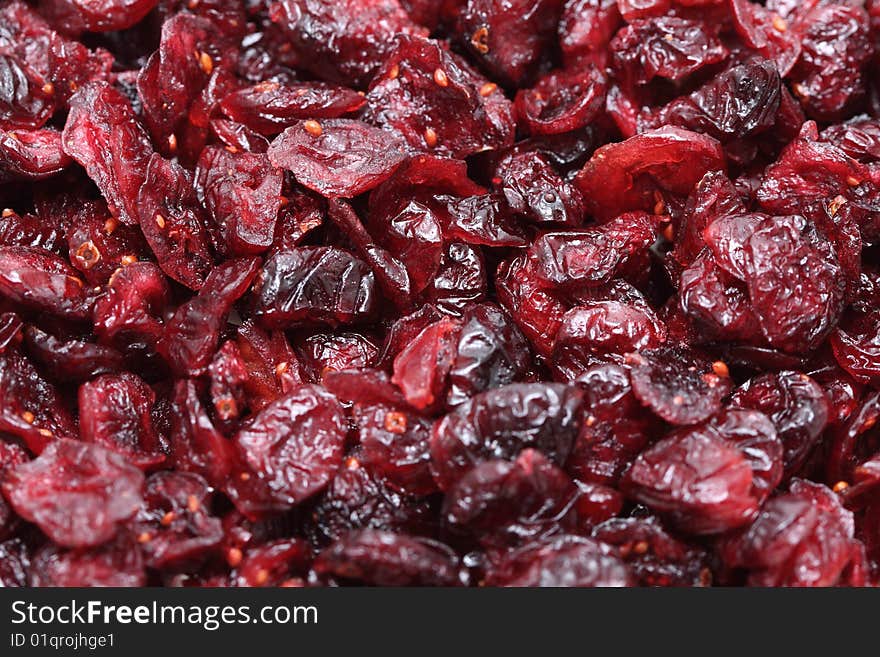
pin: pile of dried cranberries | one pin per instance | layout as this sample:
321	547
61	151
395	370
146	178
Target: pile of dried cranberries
459	292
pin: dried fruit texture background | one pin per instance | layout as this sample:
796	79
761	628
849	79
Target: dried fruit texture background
439	292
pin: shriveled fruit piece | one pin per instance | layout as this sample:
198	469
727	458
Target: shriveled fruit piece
31	154
740	102
314	285
173	222
500	423
276	563
272	365
859	138
173	77
343	41
491	353
535	191
229	374
337	157
727	238
269	107
131	309
538	312
436	102
504	503
605	329
105	16
242	191
382	558
175	527
508	37
322	353
625	176
30	407
488	220
192	333
585	29
565	561
594	256
856	347
800	538
77	493
829	77
39	280
116	564
115	413
421	369
679	387
102	134
797	406
667	47
23	102
11	455
765	32
290	451
196	445
795	283
358	499
562	101
395	444
703	483
656	557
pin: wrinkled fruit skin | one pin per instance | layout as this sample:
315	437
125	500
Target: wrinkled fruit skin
439	293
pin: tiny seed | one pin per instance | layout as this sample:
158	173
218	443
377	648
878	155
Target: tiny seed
281	368
835	205
840	486
110	225
394	72
128	260
488	89
232	149
172	142
244	476
668	37
234	557
167	519
480	40
8	212
48	88
293	582
206	63
144	537
262	577
45	433
395	422
88	254
678	400
430	137
160	221
779	23
720	368
351	463
268	85
641	547
853	182
440	77
313	128
591	420
193	504
227	408
28	417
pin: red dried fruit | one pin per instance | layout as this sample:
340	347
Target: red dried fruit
534	190
275	563
679	387
800	538
117	564
77	493
289	452
626	176
115	413
344	42
436	102
83	15
381	558
314	285
500	423
562	101
35	279
797	406
104	136
242	192
175	528
31	155
421	369
131	309
337	157
586	27
508	37
566	561
270	107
